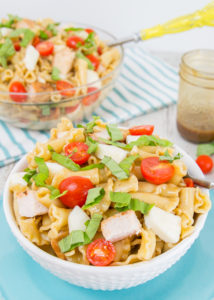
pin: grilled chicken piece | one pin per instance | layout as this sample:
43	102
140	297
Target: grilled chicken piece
38	87
63	60
25	23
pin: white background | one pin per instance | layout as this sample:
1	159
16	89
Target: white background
121	17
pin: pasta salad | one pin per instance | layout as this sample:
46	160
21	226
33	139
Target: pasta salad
102	195
43	57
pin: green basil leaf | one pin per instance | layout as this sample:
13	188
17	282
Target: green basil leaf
92	144
149	140
89	127
205	149
52	29
141	206
45	110
120	199
94	196
93	226
43	35
11	20
82	56
73	240
115	169
93	166
28	35
6	50
65	161
127	162
42	166
29	174
117	144
55	75
168	157
114	132
55	193
74	29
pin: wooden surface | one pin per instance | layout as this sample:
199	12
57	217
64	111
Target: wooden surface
164	121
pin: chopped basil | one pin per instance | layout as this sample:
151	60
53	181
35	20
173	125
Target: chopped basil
29	174
11	20
168	157
94	196
205	149
127	162
92	144
124	202
82	56
117	144
78	237
115	169
6	50
93	166
45	110
28	35
74	29
120	199
90	125
89	44
65	161
55	193
52	28
114	132
55	75
149	140
43	35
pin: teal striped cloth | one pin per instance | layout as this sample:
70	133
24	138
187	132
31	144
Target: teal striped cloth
146	84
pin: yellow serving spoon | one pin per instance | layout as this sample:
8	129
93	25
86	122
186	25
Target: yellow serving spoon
200	18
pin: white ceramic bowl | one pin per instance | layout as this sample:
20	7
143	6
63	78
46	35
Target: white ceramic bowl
103	278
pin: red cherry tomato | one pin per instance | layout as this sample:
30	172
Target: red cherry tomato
89	30
71	109
156	171
94	60
205	162
66	88
77	190
78	152
189	182
45	48
17	46
100	252
90	99
36	41
74	41
99	50
17	87
142	130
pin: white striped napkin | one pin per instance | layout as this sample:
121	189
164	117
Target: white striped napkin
146	84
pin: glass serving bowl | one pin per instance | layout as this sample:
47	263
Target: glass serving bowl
37	115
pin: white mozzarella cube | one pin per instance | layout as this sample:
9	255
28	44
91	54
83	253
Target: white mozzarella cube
31	57
29	206
114	152
77	219
16	179
132	138
5	31
82	34
54	168
121	226
93	79
164	224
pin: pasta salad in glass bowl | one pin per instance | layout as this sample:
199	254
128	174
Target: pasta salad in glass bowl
49	70
100	195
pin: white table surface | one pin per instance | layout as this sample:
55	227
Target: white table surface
164	121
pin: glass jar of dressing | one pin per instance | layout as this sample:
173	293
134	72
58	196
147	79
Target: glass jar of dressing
195	111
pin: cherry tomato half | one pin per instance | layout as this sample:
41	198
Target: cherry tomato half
45	48
71	109
66	88
17	46
74	41
156	171
205	162
78	152
17	87
94	60
89	30
90	99
36	41
189	182
99	50
77	190
142	130
100	252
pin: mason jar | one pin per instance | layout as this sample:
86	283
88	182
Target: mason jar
195	111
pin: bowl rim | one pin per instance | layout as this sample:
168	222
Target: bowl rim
110	35
145	265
